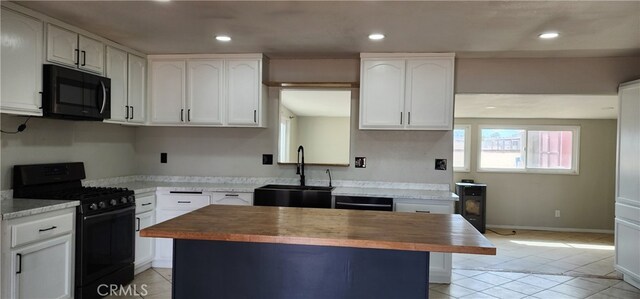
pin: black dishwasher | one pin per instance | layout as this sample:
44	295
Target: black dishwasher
364	203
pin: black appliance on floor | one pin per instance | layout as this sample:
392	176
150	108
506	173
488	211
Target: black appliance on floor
105	223
473	204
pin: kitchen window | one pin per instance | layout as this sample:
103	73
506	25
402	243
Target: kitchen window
461	148
529	149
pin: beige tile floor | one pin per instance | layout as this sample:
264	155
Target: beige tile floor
530	264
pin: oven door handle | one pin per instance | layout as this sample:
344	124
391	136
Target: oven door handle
108	213
104	97
363	204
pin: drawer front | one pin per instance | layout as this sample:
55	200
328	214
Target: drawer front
41	229
232	198
423	208
185	202
145	203
628	213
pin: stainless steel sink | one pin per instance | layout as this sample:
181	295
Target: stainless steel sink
293	196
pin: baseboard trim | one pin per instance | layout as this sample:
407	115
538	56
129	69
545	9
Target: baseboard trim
553	229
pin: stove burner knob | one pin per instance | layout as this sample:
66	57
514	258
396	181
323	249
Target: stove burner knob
93	206
131	198
102	204
123	199
113	202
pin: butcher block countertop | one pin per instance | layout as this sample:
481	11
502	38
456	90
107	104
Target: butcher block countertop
326	227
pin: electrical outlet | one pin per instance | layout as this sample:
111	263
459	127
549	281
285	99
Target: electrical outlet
441	164
163	157
361	162
267	159
557	213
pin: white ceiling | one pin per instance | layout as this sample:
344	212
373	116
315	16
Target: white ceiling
323	29
536	106
326	103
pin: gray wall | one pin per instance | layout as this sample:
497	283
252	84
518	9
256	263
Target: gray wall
488	75
107	149
325	139
585	200
391	155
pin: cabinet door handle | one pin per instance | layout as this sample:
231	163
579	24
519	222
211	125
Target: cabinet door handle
255	120
131	112
146	204
231	195
181	114
46	229
408	118
127	109
184	201
19	255
188	114
84	58
138	227
427	212
400	117
77	56
186	192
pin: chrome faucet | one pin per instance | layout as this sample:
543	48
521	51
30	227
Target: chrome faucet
329	173
300	168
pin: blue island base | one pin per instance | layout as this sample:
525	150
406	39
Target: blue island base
236	270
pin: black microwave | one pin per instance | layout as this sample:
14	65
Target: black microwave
73	94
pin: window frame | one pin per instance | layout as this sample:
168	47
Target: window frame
575	155
467	148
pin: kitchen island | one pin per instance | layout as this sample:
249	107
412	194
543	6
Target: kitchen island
277	252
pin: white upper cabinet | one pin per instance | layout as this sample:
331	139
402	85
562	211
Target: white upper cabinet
62	45
137	86
168	91
22	52
406	91
205	93
117	72
207	90
384	94
72	49
91	54
243	92
429	93
127	73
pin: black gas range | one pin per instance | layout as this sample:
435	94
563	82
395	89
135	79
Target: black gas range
105	225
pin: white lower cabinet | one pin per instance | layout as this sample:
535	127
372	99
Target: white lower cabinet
144	246
232	198
439	263
145	217
171	204
43	270
38	255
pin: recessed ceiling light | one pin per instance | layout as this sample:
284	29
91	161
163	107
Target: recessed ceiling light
490	107
376	36
223	38
549	35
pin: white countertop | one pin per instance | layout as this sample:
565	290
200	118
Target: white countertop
151	186
21	207
14	208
